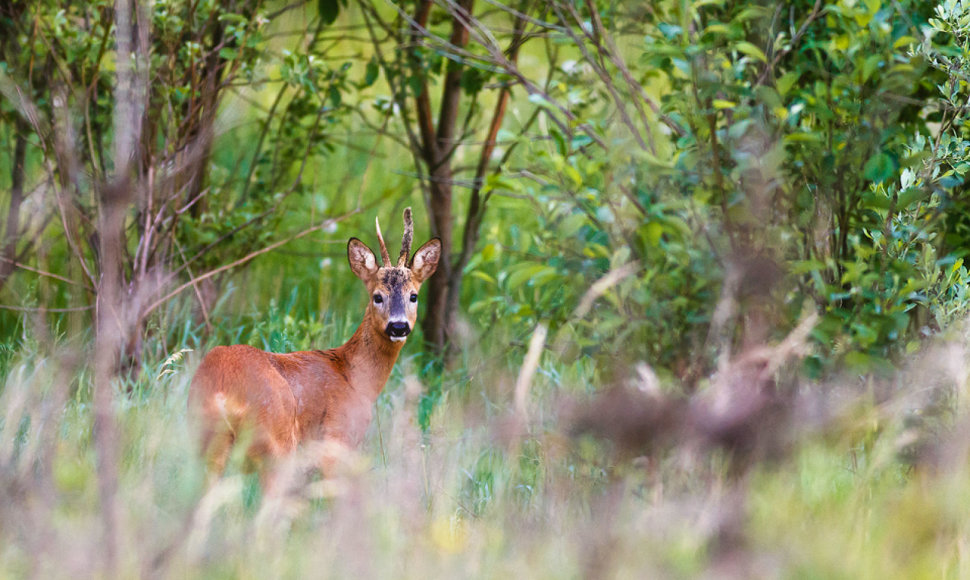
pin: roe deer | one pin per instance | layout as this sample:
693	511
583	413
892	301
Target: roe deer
320	395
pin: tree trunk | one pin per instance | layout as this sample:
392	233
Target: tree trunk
438	156
436	317
11	232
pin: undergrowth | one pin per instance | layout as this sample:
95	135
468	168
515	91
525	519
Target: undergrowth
467	490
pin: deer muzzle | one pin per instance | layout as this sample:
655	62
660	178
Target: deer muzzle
398	331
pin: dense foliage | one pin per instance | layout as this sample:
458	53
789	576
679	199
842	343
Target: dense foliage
759	159
718	202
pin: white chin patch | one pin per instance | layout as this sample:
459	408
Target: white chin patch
398	338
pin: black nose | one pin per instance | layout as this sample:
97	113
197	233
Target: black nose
398	329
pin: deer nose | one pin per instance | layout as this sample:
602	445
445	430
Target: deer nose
398	329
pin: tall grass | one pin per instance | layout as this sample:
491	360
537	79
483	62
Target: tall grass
874	484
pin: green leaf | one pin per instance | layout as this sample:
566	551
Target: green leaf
472	80
904	41
751	50
329	10
787	81
950	180
527	272
544	276
655	161
864	363
482	276
559	139
769	97
803	138
804	266
670	31
573	175
751	13
858	361
878	168
572	224
870	65
717	28
653	232
911	195
489	252
371	72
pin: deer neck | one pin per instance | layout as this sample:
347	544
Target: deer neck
370	357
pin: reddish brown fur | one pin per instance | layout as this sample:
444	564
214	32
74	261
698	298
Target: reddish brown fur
286	399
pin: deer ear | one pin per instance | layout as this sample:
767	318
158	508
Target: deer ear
363	263
425	260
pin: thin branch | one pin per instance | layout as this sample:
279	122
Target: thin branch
423	98
326	223
476	205
195	287
797	36
601	286
605	77
40	272
528	370
43	309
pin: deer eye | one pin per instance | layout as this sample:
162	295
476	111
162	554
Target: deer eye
378	299
414	297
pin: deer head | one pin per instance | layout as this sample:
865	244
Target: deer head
393	305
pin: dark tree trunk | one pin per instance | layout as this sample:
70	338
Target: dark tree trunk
11	233
436	317
438	156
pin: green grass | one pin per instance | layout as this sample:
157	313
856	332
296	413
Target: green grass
468	496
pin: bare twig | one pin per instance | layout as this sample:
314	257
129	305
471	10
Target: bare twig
528	370
44	309
601	286
794	41
40	272
178	290
476	203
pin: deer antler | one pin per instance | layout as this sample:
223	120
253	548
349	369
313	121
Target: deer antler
380	238
402	260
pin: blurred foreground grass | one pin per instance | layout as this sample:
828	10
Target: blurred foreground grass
874	485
